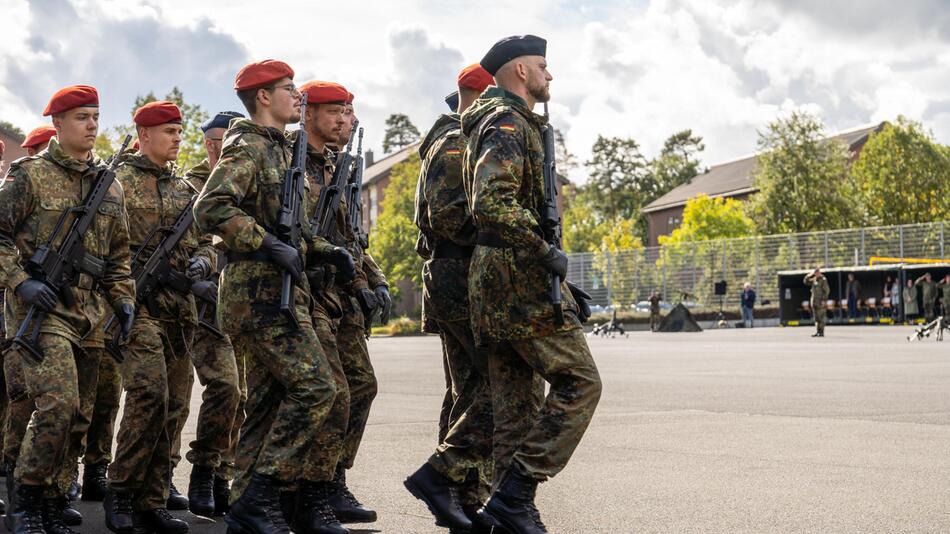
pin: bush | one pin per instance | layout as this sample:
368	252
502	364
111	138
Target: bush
401	326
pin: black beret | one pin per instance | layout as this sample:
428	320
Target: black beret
221	120
453	101
511	47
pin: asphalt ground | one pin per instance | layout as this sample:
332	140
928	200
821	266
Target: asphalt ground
763	430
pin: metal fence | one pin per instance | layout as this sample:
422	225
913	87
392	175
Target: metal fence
624	278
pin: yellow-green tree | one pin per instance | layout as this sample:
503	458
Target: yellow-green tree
619	261
707	218
393	241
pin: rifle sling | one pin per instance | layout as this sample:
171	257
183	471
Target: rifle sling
447	250
488	239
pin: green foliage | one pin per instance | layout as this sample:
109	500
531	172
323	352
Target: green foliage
802	179
12	128
618	182
677	163
400	133
392	243
902	175
621	235
566	161
707	218
618	253
581	226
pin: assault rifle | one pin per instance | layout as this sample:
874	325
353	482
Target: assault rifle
323	222
60	267
550	218
354	201
288	228
156	272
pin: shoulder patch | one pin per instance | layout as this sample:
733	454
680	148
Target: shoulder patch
507	126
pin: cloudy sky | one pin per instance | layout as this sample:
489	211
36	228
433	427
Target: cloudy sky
638	68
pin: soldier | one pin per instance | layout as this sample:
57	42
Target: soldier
360	298
945	297
510	274
290	384
222	403
157	353
38	138
928	294
37	191
819	296
446	240
654	311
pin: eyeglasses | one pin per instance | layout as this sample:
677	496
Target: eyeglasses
289	87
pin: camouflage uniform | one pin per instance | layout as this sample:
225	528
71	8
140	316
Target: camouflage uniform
945	302
508	294
928	294
819	297
104	412
62	386
654	313
289	381
157	352
446	240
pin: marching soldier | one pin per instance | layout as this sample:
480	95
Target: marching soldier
509	277
819	296
290	383
446	240
62	384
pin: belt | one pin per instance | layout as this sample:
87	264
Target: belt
487	239
257	255
447	250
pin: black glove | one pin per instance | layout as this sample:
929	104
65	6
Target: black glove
318	278
37	294
198	269
126	316
367	300
385	302
582	298
343	261
284	255
205	290
555	261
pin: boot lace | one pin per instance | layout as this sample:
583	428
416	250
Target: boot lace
323	508
122	504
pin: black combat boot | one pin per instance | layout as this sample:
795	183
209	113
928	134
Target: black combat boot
176	501
3	507
258	509
28	514
11	496
94	482
478	527
313	514
118	508
201	491
440	495
74	487
512	506
345	505
222	495
288	505
70	515
53	520
159	521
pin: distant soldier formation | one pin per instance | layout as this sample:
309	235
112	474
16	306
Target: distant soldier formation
251	271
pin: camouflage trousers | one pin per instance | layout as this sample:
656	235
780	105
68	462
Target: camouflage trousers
654	321
929	311
104	412
289	393
351	342
539	442
62	389
821	318
464	454
326	450
19	407
156	359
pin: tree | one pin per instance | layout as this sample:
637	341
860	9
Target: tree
618	181
12	128
677	163
902	175
802	179
618	258
565	160
400	133
707	218
393	243
582	227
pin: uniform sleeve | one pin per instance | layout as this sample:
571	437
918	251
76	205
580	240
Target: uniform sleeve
499	174
444	198
374	275
217	210
116	280
17	202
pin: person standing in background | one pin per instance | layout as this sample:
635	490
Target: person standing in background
747	299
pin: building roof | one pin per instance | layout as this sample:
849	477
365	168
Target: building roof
381	168
734	178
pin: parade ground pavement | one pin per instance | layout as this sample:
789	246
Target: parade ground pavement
754	431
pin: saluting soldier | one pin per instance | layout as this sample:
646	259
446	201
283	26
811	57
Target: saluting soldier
290	383
928	295
509	280
37	191
446	240
819	298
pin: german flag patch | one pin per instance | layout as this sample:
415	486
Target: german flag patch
507	127
453	152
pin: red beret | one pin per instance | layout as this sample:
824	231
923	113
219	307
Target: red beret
476	78
324	92
155	113
259	74
71	97
350	97
38	136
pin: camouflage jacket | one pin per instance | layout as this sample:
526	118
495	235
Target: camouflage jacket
819	290
945	290
928	290
32	198
443	218
155	198
504	185
320	167
198	175
239	204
